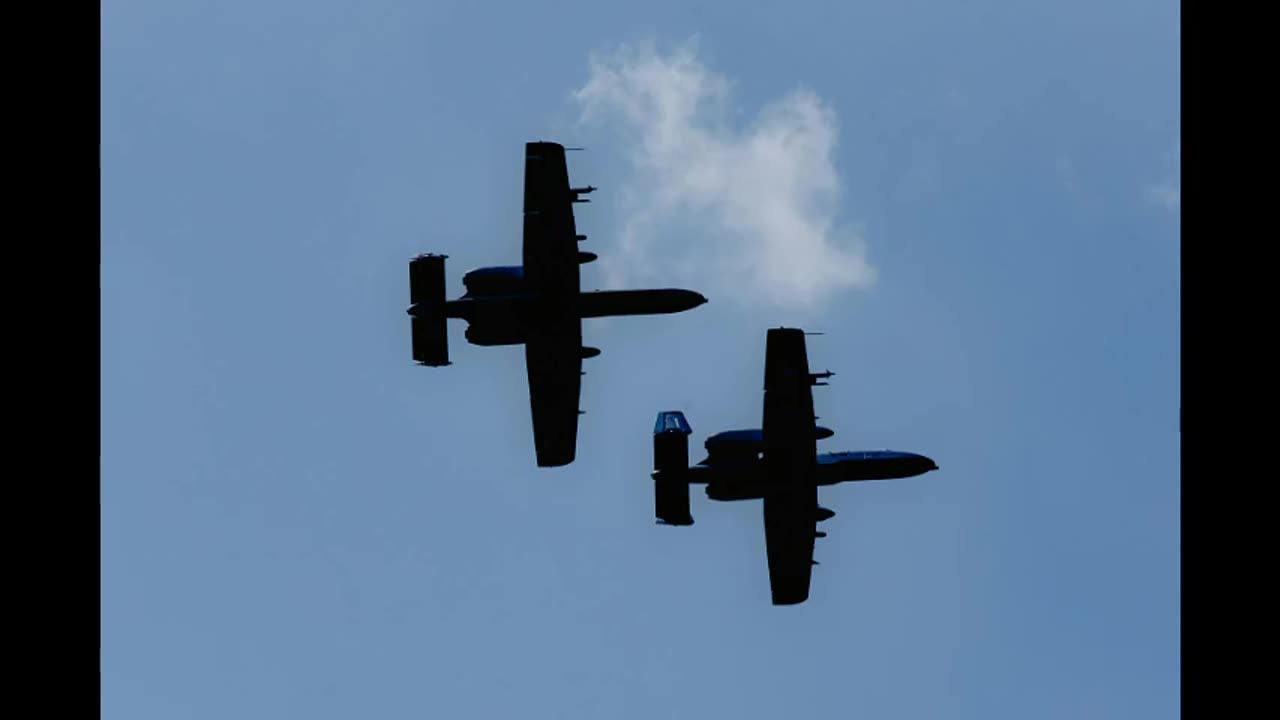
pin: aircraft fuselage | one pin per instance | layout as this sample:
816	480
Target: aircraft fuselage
498	305
746	479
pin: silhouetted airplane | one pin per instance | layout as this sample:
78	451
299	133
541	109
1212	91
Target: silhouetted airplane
537	304
778	464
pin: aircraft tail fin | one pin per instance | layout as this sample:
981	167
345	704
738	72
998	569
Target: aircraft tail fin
426	293
670	464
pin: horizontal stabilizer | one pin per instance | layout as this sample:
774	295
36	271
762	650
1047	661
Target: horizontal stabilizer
670	463
431	341
426	293
426	279
671	502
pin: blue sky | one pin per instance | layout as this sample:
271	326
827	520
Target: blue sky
297	521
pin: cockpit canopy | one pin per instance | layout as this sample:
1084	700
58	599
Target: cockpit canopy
865	456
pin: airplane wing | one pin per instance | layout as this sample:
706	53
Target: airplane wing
790	451
553	359
790	526
550	234
553	349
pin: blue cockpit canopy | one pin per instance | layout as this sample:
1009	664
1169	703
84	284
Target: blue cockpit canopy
867	455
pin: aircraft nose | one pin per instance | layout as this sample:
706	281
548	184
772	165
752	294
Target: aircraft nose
688	299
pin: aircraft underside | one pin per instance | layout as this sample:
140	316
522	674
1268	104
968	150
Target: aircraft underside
537	304
777	463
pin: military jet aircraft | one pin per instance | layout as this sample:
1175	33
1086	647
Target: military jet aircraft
538	304
778	463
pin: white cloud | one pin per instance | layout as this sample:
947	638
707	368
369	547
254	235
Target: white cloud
746	212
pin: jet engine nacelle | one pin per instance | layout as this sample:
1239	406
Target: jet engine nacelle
822	514
747	442
504	280
729	490
492	336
